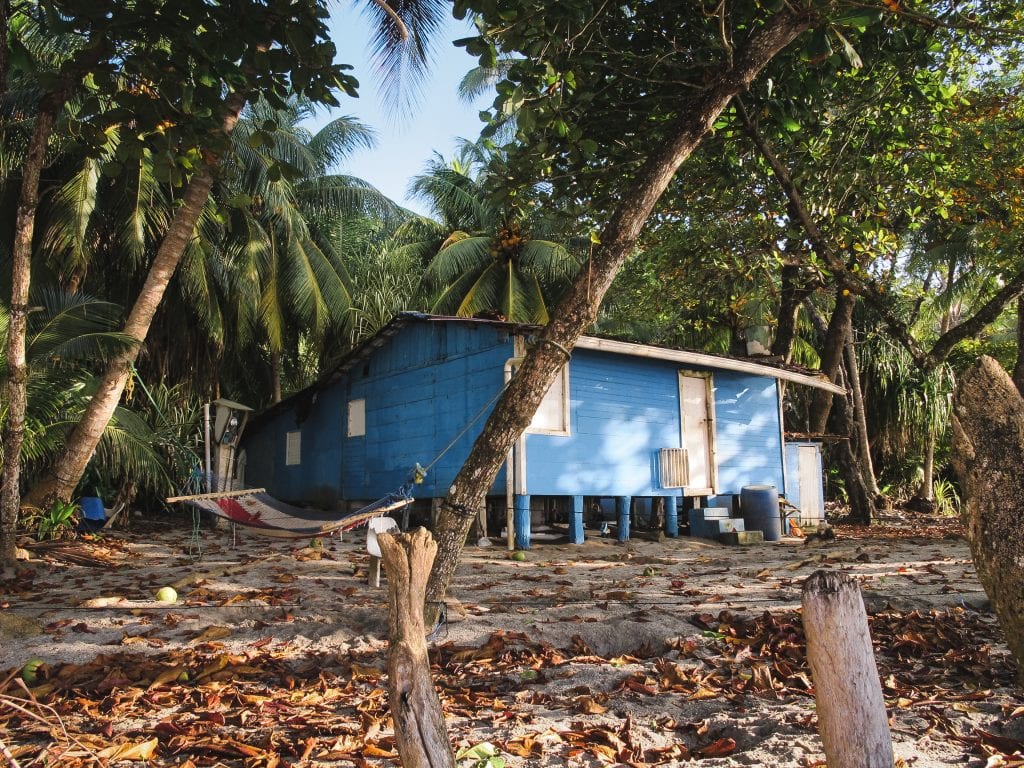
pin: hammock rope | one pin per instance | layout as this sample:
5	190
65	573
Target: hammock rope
261	513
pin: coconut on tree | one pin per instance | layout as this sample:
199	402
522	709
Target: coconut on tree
509	259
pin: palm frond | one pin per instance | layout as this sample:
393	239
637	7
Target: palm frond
404	32
338	139
67	237
480	81
73	327
347	196
548	259
466	255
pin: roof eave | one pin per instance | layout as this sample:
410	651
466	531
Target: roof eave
705	360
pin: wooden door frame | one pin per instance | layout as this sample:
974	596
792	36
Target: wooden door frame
709	404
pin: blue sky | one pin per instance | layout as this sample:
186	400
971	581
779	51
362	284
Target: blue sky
404	146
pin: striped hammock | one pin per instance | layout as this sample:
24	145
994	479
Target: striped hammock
263	514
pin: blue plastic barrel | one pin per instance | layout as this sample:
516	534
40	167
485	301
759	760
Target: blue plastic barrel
760	507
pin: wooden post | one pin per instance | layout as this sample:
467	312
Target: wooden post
435	510
420	733
852	720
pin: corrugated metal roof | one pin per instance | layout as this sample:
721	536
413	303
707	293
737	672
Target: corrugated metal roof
792	373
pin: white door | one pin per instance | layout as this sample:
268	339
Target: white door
697	417
809	478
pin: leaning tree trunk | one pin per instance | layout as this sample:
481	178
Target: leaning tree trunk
839	326
276	375
15	389
61	479
988	442
858	493
860	418
927	489
795	287
578	309
1018	368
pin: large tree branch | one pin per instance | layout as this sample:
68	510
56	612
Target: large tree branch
926	360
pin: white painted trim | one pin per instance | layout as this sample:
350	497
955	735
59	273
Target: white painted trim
780	393
566	428
705	360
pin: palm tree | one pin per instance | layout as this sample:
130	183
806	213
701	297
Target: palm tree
482	257
410	21
67	335
286	278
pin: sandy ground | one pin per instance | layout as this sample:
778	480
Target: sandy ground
649	653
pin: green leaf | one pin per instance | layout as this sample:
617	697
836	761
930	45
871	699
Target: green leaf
849	52
480	751
790	124
858	18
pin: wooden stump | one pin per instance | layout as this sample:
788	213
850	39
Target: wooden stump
420	732
988	442
852	720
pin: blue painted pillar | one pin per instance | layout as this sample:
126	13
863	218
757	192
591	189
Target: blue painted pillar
522	521
576	521
671	517
622	505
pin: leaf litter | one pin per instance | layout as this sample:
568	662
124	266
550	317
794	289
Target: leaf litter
589	658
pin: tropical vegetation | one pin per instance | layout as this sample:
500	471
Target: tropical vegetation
187	236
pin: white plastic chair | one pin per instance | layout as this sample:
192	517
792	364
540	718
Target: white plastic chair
376	526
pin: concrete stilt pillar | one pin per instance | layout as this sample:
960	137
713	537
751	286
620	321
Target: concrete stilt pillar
672	516
522	521
576	521
622	504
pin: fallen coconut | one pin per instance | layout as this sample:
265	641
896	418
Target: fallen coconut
30	671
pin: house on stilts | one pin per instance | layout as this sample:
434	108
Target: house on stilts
627	431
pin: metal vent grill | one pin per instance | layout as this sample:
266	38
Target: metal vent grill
674	466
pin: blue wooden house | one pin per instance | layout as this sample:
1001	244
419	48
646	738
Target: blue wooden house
626	426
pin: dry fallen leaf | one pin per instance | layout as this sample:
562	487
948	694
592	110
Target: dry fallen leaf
588	705
211	634
140	751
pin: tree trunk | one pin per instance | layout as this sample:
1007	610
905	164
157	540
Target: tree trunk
578	308
860	418
420	733
15	389
60	481
5	51
839	326
275	373
927	489
794	290
988	442
1018	368
848	698
858	495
